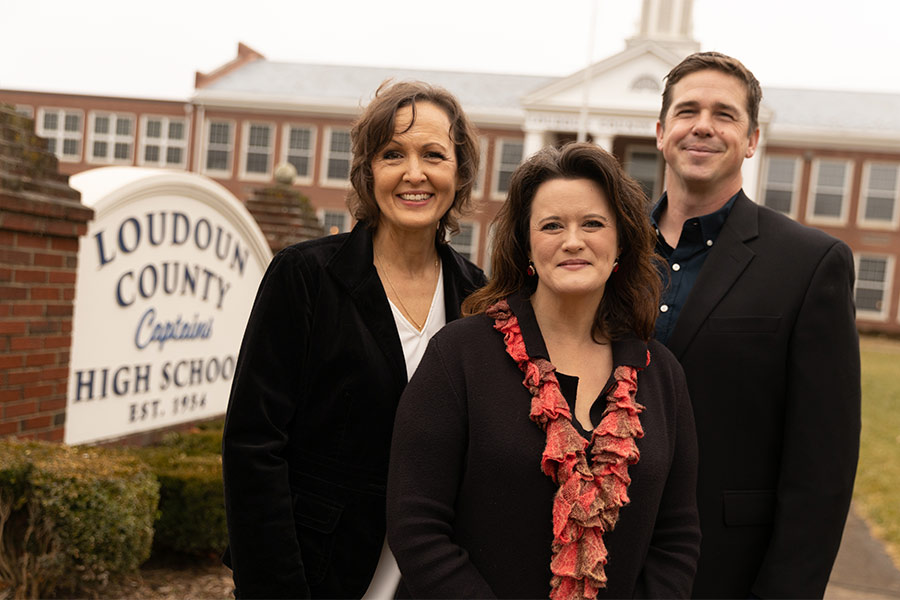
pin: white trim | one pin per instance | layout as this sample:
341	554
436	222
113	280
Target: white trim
499	144
794	187
886	286
894	223
324	180
311	153
59	135
815	219
246	126
112	138
163	142
478	187
204	155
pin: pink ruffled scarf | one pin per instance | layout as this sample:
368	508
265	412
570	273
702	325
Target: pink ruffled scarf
590	494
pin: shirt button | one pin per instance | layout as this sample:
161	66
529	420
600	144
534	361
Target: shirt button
709	242
676	267
664	308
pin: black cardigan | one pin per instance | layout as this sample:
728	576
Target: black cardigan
469	510
309	421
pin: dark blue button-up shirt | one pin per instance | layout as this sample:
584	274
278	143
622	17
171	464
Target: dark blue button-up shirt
683	263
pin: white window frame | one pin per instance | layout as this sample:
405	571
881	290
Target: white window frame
499	143
225	173
310	156
887	286
60	135
348	220
894	223
324	180
472	250
478	187
815	219
794	187
163	141
243	173
111	138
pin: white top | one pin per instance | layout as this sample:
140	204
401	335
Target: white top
387	575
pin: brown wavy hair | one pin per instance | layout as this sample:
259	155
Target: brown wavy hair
631	299
715	61
374	130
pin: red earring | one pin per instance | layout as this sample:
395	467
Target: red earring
530	270
616	266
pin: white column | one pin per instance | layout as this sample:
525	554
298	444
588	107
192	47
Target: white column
604	141
534	141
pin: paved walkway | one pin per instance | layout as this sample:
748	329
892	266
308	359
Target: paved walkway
863	570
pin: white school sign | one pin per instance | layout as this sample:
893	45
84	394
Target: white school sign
167	274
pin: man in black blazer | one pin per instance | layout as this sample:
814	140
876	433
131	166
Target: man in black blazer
759	310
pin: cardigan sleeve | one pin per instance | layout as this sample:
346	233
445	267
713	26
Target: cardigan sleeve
671	561
821	443
264	551
427	462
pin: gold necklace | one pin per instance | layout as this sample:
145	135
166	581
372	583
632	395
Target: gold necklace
396	295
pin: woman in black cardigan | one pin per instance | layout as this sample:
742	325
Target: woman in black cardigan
330	343
546	444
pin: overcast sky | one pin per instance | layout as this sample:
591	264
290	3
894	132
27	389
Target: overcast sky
152	48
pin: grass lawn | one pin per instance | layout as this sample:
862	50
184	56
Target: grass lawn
877	491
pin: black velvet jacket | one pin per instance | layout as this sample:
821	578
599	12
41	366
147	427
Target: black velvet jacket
469	510
309	421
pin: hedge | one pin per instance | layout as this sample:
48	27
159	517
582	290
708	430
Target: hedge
71	517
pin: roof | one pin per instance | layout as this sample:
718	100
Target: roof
357	84
834	110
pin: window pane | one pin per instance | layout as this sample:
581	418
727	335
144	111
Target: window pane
73	123
101	124
51	121
70	147
511	153
334	222
872	269
301	163
218	133
883	178
831	174
299	139
154	128
781	170
99	149
176	130
122	151
828	205
217	159
779	200
173	156
257	162
259	136
340	141
879	209
867	299
338	168
151	153
123	126
51	145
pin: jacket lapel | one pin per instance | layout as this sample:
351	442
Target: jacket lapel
726	261
352	268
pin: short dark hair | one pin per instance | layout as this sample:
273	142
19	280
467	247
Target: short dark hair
631	299
702	61
374	130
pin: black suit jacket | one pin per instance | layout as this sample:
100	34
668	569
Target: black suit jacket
310	418
768	342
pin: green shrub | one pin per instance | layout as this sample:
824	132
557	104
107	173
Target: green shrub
192	502
70	517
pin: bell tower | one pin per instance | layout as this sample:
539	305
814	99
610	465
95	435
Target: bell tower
668	23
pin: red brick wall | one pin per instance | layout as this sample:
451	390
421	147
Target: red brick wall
41	219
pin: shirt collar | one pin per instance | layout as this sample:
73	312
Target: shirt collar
710	225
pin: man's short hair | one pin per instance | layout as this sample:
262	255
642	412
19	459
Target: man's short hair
716	61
